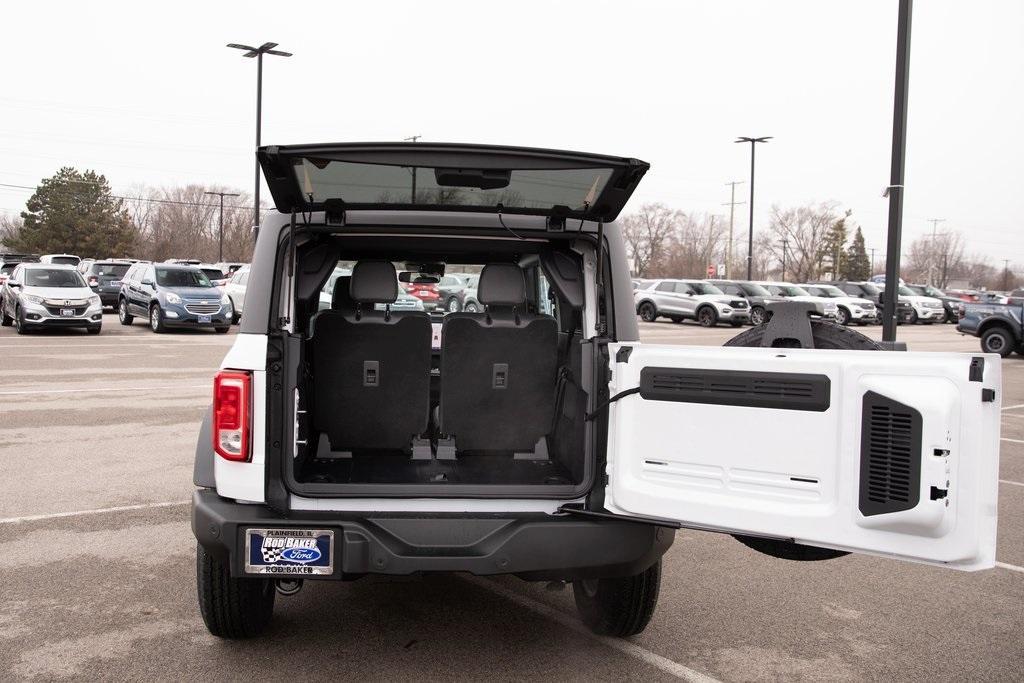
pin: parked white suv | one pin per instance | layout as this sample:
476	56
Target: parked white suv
927	309
539	437
849	309
678	300
826	307
235	290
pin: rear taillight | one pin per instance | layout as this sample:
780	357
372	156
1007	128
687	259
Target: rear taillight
232	398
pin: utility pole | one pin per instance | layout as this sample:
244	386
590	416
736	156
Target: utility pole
785	243
413	138
872	250
732	204
897	172
750	235
1006	274
258	52
220	244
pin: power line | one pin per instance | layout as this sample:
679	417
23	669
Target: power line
151	200
732	204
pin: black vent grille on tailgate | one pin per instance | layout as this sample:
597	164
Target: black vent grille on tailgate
778	390
890	456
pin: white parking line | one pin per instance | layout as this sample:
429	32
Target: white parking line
1011	567
100	511
1006	438
1011	483
101	390
1019	405
624	646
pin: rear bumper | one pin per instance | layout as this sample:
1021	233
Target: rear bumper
535	546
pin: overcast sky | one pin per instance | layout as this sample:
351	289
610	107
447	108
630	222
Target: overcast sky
148	93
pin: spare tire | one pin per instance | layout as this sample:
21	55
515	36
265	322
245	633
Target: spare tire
826	335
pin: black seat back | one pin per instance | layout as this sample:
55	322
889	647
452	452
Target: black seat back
498	368
371	369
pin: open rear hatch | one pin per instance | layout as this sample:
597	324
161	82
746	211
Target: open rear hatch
449	177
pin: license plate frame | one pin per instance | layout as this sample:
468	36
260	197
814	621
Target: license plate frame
67	313
290	552
204	319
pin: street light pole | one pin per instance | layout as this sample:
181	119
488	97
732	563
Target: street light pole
750	232
220	245
258	52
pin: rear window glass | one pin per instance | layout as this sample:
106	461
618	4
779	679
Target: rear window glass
53	277
65	260
8	267
182	277
213	273
359	183
110	269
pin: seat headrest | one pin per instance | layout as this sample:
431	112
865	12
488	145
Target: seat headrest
341	300
501	284
374	282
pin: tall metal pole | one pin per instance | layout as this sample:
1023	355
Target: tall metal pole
259	123
220	248
896	174
750	231
785	243
732	211
872	250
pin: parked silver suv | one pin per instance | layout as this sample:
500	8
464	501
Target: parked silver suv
681	299
39	295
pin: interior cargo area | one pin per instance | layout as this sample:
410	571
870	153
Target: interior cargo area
481	386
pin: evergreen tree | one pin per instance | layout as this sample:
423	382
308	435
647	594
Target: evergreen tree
832	255
74	212
858	265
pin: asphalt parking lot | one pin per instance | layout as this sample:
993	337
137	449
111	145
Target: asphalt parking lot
97	560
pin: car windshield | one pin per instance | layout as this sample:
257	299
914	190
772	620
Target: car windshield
182	277
906	291
830	291
213	273
53	277
789	290
110	269
752	289
703	288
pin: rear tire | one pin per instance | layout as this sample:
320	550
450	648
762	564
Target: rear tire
472	308
123	315
453	305
5	319
826	335
235	315
231	607
997	340
648	313
618	607
19	321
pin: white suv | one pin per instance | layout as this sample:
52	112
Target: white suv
678	300
927	309
540	437
849	309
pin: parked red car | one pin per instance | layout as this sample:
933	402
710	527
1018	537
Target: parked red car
425	292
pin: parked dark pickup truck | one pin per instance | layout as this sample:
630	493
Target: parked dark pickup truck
999	326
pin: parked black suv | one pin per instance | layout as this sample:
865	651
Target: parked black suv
756	295
104	277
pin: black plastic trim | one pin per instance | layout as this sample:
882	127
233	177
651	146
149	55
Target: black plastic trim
977	371
890	456
202	469
775	390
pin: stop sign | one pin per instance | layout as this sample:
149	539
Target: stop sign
711	270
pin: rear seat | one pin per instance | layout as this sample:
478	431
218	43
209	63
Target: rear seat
371	368
498	368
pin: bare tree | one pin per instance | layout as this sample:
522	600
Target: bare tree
10	229
647	235
805	228
698	242
935	259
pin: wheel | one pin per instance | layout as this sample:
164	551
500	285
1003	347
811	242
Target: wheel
471	307
707	317
912	320
648	313
758	316
621	606
826	335
5	319
123	315
94	330
235	315
156	319
19	321
222	330
453	305
231	607
842	316
997	340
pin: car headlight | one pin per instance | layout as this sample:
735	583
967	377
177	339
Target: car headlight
94	300
224	299
172	298
32	298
